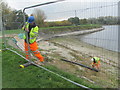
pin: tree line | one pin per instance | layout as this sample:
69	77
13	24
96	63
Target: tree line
11	18
107	20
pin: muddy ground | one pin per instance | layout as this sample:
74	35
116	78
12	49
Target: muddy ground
69	48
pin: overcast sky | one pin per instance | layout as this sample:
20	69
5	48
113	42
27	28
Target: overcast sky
65	9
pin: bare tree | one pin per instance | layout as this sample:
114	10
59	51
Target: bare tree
39	17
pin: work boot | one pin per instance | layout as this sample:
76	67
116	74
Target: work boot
42	59
39	63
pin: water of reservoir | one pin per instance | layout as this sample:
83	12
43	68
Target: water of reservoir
107	38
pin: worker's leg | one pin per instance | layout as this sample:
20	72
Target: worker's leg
98	65
34	48
93	65
26	50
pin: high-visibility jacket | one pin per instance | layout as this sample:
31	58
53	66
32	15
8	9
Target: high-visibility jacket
32	33
96	59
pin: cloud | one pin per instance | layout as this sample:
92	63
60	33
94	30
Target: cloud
20	4
68	5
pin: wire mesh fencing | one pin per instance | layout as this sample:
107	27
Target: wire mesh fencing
60	36
12	24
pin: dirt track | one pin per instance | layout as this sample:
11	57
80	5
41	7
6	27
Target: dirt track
71	49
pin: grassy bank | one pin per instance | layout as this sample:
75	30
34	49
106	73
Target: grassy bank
34	77
64	29
85	26
0	63
13	31
58	29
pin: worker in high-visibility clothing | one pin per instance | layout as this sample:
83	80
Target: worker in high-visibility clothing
32	30
96	62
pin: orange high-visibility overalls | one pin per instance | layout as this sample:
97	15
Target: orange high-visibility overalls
34	49
96	64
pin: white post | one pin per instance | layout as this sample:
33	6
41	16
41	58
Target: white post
0	44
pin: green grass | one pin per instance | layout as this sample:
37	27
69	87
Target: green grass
34	77
0	63
64	29
87	25
0	42
0	33
13	31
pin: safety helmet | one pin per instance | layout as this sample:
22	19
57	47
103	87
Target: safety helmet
30	19
93	59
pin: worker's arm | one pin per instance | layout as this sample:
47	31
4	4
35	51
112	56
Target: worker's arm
25	27
34	32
